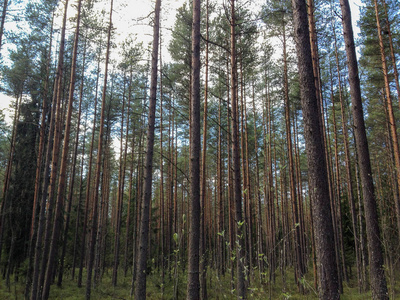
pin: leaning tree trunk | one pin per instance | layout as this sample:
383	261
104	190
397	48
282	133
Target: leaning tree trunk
377	272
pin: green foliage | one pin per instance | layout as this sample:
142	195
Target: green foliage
17	206
4	145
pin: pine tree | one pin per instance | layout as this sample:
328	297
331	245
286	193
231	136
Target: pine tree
140	290
318	183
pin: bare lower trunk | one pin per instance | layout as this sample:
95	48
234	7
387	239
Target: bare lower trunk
140	291
239	224
319	190
193	288
377	273
93	231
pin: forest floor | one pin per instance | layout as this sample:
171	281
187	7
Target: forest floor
217	287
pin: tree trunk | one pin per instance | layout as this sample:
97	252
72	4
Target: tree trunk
93	232
349	177
78	207
193	288
63	168
40	253
377	273
300	270
392	53
140	291
88	181
318	182
259	223
39	165
128	216
121	187
72	179
392	120
3	19
203	254
240	288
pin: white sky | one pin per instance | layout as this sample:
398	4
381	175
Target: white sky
126	19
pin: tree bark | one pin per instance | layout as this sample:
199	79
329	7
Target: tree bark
3	19
239	224
140	291
89	180
49	174
193	288
93	232
63	168
392	120
377	273
392	53
203	176
39	166
318	181
300	270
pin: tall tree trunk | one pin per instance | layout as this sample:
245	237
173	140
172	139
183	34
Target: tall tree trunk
246	178
121	186
63	168
49	173
361	222
72	179
293	192
140	291
162	193
139	200
39	166
93	232
318	182
392	53
392	120
220	219
203	254
377	273
89	180
337	204
119	200
193	288
349	177
128	216
259	223
79	204
240	288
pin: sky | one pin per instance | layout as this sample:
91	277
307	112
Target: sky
127	18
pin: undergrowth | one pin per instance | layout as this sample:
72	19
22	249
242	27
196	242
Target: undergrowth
218	287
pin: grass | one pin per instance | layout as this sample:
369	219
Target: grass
218	287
